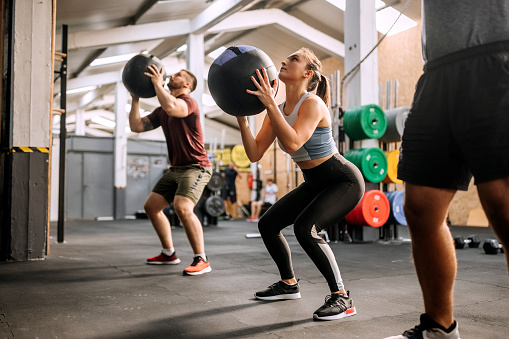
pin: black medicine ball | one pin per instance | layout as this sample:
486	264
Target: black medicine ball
133	78
230	76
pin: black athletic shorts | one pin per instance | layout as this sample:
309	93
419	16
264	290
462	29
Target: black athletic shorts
229	192
458	125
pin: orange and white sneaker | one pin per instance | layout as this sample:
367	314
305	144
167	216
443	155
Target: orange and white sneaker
163	259
336	306
199	266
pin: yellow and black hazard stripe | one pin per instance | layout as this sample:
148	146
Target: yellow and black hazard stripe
25	149
30	149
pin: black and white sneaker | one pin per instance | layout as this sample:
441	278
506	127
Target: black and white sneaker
336	306
279	291
429	329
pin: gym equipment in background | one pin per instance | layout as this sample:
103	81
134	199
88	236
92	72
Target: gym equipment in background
492	246
133	78
370	161
473	241
396	118
365	122
392	167
396	216
216	182
230	75
373	210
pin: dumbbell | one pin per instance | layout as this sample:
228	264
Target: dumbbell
473	241
491	246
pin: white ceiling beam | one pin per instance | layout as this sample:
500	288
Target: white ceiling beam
94	80
236	22
261	17
87	115
126	34
215	13
92	96
96	132
156	30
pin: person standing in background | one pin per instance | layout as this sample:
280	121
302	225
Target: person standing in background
229	190
269	197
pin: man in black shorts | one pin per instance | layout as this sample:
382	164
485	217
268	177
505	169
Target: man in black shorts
458	127
190	170
229	190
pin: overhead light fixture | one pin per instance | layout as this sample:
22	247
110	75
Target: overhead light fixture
80	90
207	100
103	121
114	59
214	54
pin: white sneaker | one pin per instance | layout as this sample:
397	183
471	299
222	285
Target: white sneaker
429	329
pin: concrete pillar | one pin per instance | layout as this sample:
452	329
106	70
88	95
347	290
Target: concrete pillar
196	64
120	152
361	87
24	208
80	122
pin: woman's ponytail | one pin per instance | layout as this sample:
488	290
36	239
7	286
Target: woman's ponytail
318	81
323	89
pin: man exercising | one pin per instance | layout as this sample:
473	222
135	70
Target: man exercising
190	170
457	127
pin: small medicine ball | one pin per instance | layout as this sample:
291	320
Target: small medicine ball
133	78
230	76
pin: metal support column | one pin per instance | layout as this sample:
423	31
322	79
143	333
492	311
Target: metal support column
63	136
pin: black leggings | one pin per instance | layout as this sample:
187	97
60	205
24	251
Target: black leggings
330	191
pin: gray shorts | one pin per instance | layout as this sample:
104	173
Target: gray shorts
187	181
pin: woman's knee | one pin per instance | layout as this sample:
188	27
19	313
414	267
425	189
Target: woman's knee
264	225
268	226
302	230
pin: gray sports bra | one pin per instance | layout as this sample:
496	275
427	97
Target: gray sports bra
320	144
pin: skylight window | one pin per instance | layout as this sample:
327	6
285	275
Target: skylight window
341	4
114	59
384	17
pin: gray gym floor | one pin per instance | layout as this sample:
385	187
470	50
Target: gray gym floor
96	285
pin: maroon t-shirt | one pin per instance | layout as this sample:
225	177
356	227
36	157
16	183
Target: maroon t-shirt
184	136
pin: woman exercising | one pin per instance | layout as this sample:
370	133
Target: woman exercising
332	187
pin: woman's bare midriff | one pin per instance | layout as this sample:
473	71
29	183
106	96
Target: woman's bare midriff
308	164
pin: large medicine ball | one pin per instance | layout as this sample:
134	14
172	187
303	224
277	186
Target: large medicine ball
230	76
133	78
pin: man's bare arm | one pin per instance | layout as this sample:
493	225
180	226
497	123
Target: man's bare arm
136	122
